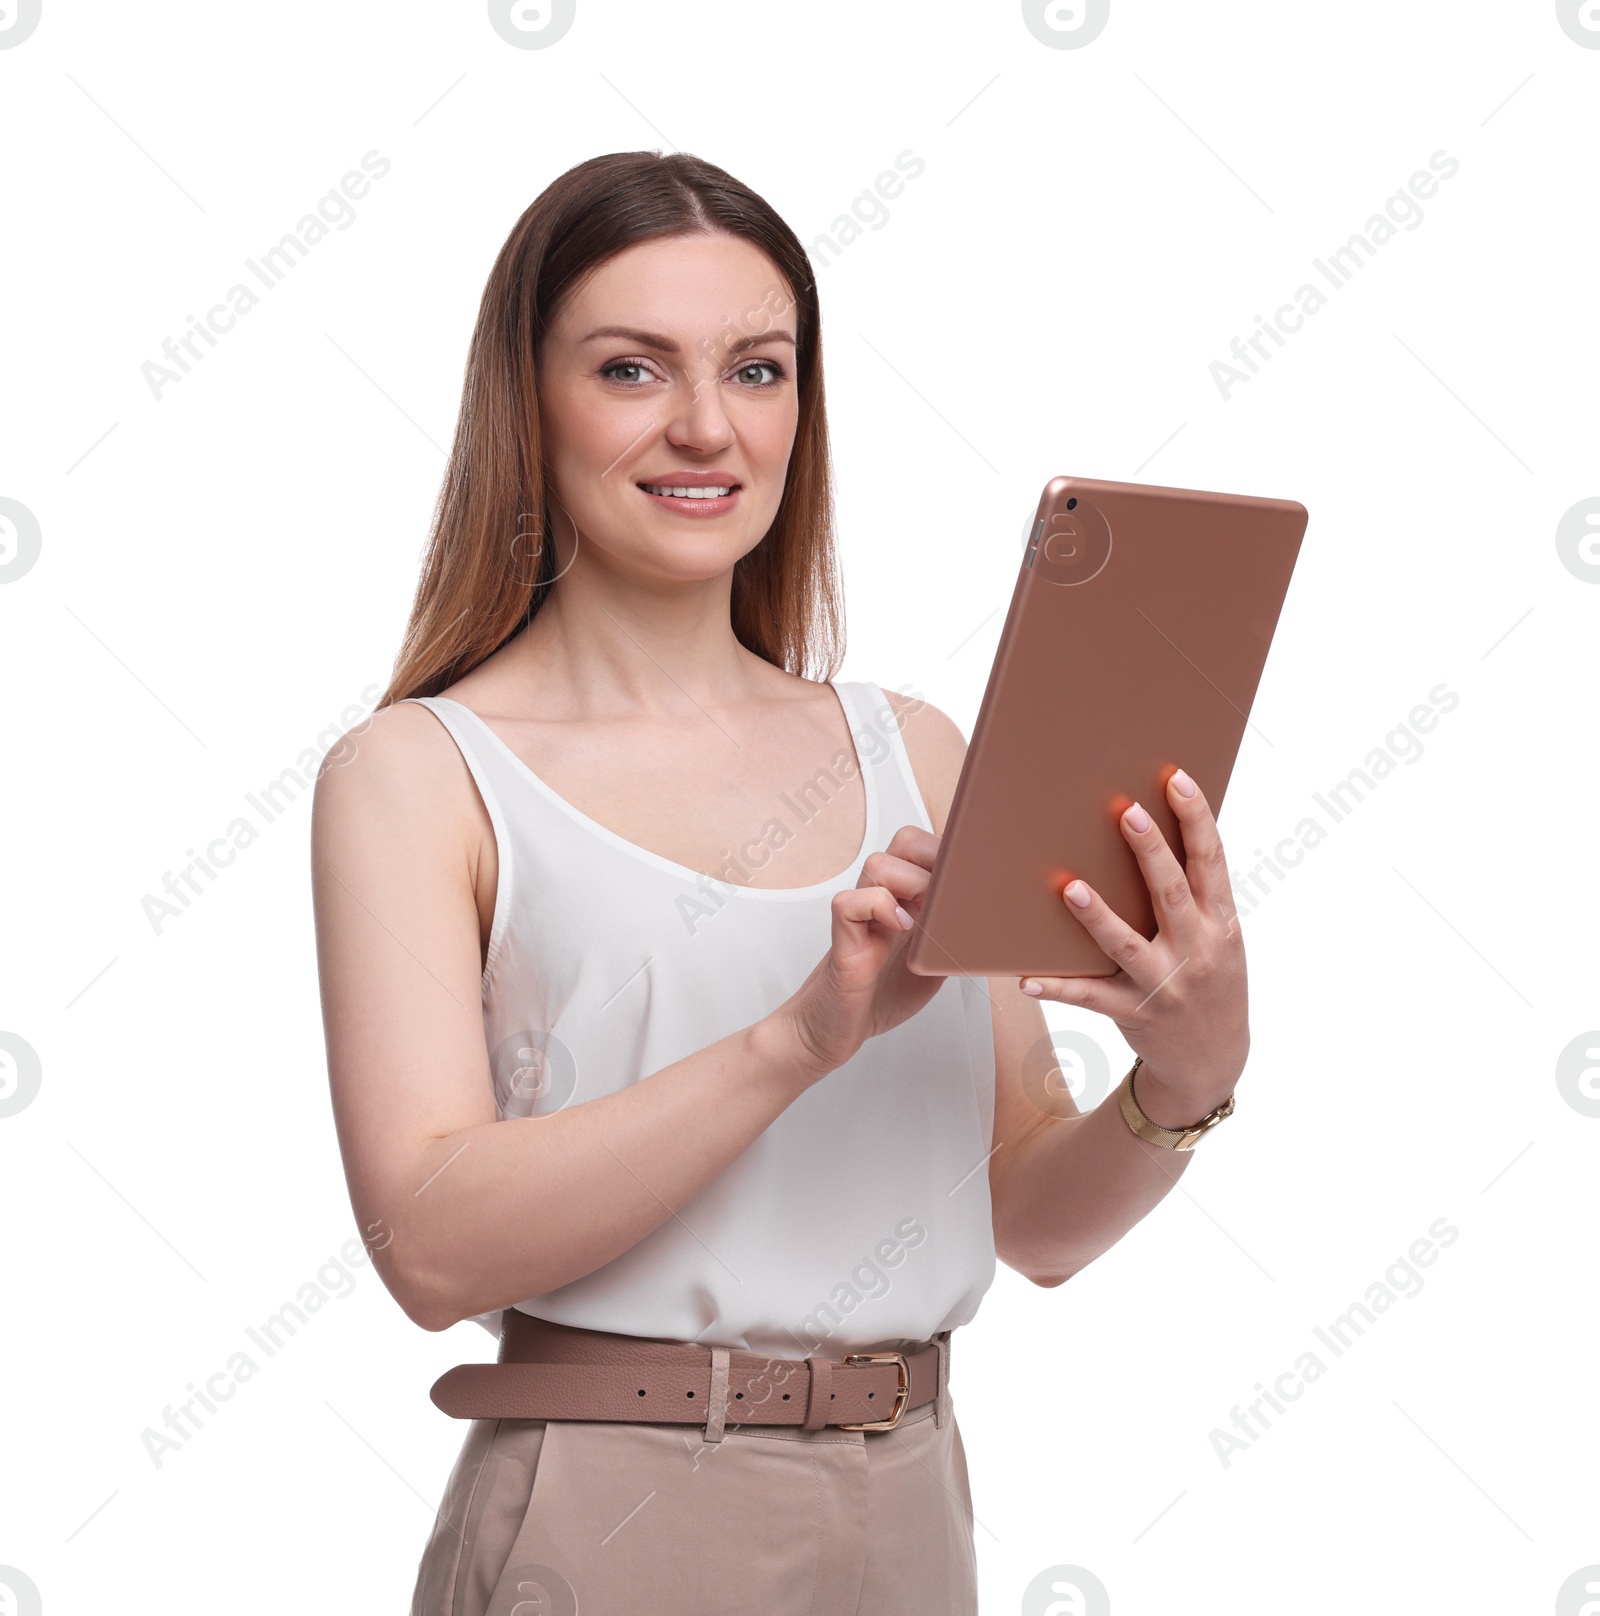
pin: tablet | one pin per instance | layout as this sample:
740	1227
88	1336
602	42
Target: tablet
1137	635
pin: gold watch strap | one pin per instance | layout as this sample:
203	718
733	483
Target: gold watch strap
1171	1138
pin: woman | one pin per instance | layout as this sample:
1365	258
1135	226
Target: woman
611	910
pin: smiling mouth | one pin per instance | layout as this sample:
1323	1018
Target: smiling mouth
709	491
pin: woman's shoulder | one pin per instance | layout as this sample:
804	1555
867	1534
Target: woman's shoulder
402	737
934	745
398	765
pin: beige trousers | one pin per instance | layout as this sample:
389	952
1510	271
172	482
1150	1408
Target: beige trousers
569	1518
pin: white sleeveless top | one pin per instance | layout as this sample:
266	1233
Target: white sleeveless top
860	1217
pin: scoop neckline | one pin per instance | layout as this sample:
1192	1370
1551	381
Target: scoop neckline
830	884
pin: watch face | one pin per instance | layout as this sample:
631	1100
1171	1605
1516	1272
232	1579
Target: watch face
1172	1138
1207	1123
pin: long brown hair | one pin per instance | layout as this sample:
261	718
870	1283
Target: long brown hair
488	566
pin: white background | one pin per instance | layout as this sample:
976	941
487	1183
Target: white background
224	571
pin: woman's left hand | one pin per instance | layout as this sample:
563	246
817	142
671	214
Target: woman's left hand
1180	998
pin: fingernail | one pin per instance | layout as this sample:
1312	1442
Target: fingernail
1077	895
1138	819
905	919
1032	987
1184	784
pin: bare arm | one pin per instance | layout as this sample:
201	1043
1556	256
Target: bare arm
465	1213
1067	1186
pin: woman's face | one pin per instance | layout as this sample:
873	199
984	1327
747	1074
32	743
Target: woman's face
672	366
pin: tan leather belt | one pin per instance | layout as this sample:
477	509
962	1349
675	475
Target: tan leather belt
549	1371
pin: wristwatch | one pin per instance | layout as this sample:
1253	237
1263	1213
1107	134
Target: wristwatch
1172	1138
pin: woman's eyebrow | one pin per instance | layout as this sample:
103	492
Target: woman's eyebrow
757	338
654	339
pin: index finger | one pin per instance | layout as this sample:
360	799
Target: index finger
905	878
915	845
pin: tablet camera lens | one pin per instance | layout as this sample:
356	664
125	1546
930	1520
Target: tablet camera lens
1077	546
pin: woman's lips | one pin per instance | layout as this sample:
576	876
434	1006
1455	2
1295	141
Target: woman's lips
684	506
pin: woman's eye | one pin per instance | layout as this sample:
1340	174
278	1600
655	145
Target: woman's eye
637	379
759	365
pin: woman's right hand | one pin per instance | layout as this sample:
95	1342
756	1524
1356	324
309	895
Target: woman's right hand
861	986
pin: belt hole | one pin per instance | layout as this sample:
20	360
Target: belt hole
688	1394
641	1391
739	1395
786	1397
871	1395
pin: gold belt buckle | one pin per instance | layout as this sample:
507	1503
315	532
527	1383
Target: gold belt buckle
902	1392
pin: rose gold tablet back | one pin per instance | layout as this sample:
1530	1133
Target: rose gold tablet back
1137	634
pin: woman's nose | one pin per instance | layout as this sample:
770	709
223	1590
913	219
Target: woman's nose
697	419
